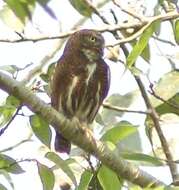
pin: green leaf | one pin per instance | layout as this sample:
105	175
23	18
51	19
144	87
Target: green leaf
176	31
166	88
166	108
157	11
146	159
146	53
108	179
10	19
47	177
22	8
44	77
6	112
94	183
47	76
120	131
12	101
51	69
85	180
41	129
8	109
10	165
62	165
140	45
160	2
82	6
2	187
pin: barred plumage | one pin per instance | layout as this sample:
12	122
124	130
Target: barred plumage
80	81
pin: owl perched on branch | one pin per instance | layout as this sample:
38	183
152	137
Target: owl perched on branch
80	81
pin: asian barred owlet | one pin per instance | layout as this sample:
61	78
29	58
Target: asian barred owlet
80	81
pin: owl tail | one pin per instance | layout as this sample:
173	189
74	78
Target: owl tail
62	145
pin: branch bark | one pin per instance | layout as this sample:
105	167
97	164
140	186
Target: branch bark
78	134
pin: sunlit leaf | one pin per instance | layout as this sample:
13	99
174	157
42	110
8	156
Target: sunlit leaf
10	165
22	9
85	180
140	45
82	6
176	31
145	53
171	106
120	131
144	159
46	176
166	88
108	179
10	19
41	129
108	115
62	165
7	110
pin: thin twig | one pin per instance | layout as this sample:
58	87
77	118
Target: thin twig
16	145
120	109
163	40
133	14
114	16
10	121
17	162
88	159
153	93
108	28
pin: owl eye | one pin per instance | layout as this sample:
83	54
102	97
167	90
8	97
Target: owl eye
92	39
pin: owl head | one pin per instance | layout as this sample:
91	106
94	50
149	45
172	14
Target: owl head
88	42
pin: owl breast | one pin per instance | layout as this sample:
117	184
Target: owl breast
82	99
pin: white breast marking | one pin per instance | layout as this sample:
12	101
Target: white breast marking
90	55
70	90
97	101
91	68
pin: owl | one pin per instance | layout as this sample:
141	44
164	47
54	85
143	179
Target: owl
80	81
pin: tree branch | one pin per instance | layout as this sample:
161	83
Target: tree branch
119	109
108	28
78	134
155	118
